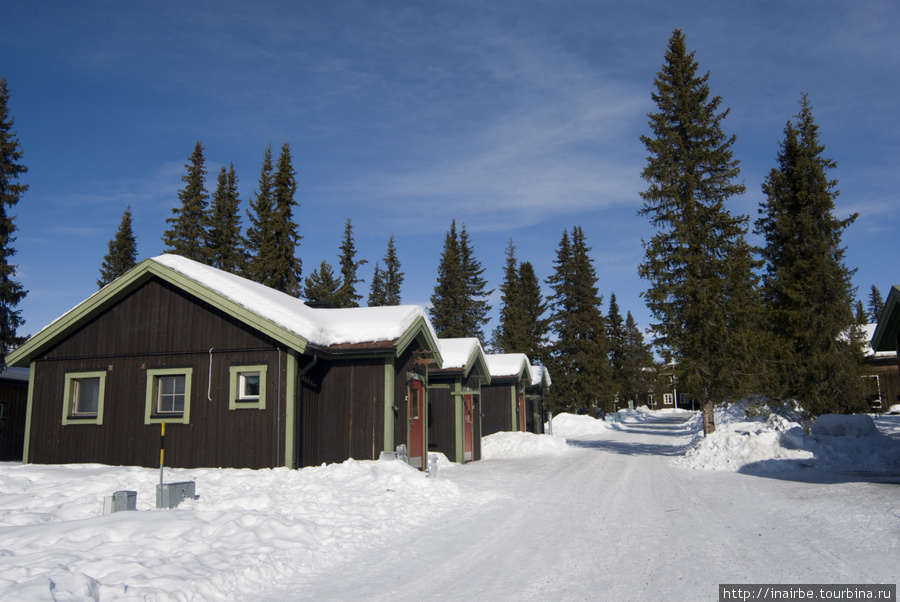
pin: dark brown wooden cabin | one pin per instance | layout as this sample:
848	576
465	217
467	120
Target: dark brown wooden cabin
243	376
503	400
13	407
454	400
882	368
535	394
663	393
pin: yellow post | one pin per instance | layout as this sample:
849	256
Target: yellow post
162	450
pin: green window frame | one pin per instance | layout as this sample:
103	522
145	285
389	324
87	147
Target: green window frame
83	398
247	387
166	387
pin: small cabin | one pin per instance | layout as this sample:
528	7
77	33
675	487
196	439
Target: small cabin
535	394
242	375
454	400
503	400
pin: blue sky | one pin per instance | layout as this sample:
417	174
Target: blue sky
518	119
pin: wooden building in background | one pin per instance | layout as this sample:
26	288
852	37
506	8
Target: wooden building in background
503	400
242	375
881	365
13	409
535	394
454	400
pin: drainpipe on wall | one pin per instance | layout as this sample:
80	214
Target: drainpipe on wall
300	376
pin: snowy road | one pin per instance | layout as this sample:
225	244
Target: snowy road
615	520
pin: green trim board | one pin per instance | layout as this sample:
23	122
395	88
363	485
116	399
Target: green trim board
514	400
459	421
388	404
290	410
418	330
28	409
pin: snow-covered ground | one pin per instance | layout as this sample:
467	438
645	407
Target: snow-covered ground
623	510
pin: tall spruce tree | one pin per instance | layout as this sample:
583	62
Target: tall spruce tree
288	270
807	287
377	292
348	297
615	330
272	236
226	245
393	276
122	254
578	358
448	301
261	245
523	327
700	269
511	333
476	307
188	233
322	286
11	191
385	289
876	304
534	309
862	318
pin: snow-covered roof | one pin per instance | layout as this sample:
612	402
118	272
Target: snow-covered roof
321	327
458	352
508	364
868	333
540	373
279	314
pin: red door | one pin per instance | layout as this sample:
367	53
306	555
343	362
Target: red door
416	424
468	430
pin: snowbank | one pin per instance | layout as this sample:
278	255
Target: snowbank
577	425
521	445
247	527
776	442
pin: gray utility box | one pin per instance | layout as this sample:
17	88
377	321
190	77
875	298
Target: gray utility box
169	495
120	500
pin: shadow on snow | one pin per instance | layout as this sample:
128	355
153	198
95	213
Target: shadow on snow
668	426
806	471
630	449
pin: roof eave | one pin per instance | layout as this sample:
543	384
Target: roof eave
125	284
885	336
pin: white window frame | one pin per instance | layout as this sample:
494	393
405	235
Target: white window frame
668	399
151	415
236	400
69	391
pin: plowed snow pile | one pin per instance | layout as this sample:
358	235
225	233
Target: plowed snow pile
521	445
775	442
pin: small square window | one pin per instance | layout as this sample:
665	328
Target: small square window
86	397
168	395
83	398
667	399
247	387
